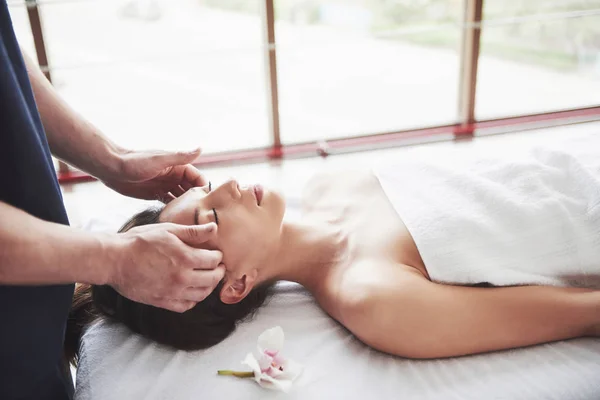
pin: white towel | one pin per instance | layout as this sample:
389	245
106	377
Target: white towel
532	217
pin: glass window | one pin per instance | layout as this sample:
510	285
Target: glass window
496	9
171	75
364	66
538	56
161	74
18	14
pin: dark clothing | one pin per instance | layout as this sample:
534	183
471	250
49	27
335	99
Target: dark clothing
33	318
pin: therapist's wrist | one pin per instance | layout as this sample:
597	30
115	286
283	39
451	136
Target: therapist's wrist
94	153
103	259
108	161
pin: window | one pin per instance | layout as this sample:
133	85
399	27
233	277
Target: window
172	75
538	56
158	74
357	67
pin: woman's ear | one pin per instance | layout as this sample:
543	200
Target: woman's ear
235	289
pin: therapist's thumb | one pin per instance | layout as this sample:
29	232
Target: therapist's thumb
195	235
176	158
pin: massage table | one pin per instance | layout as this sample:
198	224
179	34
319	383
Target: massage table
118	364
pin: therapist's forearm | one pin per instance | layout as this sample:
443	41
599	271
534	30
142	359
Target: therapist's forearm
72	138
37	252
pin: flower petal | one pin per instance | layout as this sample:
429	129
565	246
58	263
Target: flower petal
271	340
270	369
264	362
276	384
278	359
273	372
251	362
291	370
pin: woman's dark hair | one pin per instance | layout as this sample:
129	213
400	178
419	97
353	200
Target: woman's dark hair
203	326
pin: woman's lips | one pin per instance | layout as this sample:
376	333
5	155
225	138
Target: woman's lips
258	192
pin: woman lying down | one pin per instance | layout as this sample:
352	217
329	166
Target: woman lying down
417	259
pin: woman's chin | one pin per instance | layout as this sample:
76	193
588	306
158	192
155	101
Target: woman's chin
273	201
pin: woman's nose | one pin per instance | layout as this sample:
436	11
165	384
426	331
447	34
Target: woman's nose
232	187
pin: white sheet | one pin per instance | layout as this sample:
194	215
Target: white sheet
116	364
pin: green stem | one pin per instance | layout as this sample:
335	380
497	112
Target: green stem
238	374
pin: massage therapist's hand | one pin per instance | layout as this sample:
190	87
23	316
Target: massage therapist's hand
152	175
161	265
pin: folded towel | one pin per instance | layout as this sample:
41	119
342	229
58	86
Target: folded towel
529	218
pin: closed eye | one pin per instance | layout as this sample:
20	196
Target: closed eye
197	210
213	210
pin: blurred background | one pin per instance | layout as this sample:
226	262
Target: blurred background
174	74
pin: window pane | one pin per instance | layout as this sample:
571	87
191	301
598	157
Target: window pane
494	9
161	74
18	14
358	67
532	62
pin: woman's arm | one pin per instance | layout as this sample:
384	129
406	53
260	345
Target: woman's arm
412	317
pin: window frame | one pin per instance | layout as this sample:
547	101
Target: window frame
467	126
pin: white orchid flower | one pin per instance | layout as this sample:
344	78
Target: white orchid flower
270	370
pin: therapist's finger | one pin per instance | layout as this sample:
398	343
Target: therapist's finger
195	236
167	197
178	306
196	294
177	191
191	177
206	278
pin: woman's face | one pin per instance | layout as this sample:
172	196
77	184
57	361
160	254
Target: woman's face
249	221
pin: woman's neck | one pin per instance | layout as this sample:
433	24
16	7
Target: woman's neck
306	253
